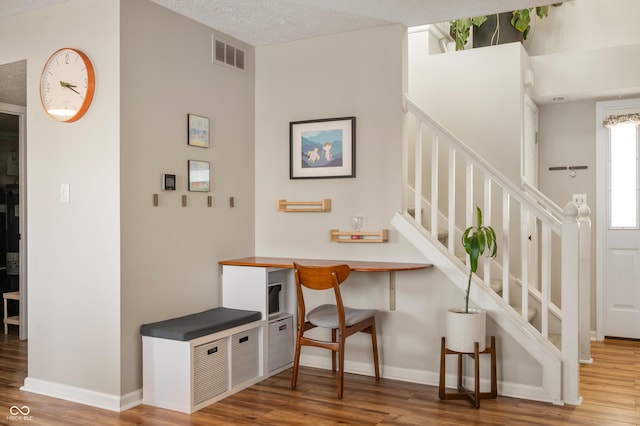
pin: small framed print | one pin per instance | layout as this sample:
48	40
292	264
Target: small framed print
324	148
198	131
199	176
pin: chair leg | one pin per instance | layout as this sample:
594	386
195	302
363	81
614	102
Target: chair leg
334	333
341	366
296	363
374	345
443	370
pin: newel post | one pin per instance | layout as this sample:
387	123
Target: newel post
569	279
584	333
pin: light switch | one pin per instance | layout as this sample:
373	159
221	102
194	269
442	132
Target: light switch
64	193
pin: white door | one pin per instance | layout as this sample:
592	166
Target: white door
621	236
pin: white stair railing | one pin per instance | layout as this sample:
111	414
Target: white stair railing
539	220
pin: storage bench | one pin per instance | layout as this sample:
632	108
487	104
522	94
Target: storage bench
195	360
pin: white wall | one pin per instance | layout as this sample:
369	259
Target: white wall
585	25
476	94
109	261
586	50
359	74
568	138
170	253
73	249
356	74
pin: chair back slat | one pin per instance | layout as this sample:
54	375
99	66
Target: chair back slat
320	277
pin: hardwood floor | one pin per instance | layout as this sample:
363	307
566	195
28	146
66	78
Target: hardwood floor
610	387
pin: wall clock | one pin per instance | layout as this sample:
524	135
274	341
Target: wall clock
67	84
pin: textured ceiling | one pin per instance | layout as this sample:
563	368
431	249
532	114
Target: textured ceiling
263	22
12	83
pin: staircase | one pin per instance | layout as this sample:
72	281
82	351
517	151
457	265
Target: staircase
540	248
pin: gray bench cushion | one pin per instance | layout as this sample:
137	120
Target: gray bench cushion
201	324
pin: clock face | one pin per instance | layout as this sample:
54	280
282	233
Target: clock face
67	84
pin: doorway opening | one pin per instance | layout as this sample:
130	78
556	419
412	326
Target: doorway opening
13	284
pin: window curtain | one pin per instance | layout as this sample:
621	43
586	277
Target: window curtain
614	120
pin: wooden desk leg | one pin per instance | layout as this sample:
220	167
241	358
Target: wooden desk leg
494	382
443	355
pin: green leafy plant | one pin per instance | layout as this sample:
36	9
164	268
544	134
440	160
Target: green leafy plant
477	241
521	19
461	28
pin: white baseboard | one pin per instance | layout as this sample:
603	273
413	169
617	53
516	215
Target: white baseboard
83	396
131	400
430	378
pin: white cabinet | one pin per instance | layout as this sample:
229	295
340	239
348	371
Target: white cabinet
281	337
188	375
253	288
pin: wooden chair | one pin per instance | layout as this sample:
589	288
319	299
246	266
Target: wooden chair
342	321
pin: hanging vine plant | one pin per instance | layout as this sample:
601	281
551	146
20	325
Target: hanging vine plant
460	29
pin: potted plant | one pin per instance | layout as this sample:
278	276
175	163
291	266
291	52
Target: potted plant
495	29
467	326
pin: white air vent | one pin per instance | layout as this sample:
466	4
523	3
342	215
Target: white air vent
228	55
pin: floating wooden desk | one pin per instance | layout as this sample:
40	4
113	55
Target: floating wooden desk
355	265
247	284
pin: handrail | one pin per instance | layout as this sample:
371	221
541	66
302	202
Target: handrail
546	202
538	216
487	168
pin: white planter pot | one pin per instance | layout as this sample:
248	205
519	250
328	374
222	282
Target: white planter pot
463	330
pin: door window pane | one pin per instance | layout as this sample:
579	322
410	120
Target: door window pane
623	167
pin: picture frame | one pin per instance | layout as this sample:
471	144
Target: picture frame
322	148
199	176
198	131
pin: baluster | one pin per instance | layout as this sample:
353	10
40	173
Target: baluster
469	206
417	201
506	199
545	278
487	221
434	185
452	200
524	257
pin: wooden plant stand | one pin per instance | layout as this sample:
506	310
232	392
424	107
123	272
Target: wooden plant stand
474	396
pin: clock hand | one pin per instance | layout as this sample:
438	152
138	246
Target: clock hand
68	86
